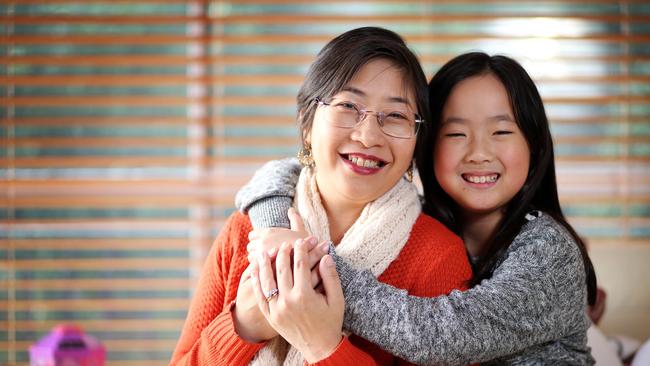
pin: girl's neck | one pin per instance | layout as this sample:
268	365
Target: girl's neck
341	216
477	229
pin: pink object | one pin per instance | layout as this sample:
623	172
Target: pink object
67	345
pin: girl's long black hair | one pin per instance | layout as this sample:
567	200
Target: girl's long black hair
540	189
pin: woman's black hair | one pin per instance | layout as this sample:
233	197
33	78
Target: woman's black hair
539	192
343	56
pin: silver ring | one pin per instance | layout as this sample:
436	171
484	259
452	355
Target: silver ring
271	294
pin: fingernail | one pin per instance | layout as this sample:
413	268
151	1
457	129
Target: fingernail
312	240
324	246
271	252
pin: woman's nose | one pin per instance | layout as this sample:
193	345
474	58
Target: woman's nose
367	131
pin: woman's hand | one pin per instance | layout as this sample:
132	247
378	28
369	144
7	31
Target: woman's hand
250	324
270	239
310	320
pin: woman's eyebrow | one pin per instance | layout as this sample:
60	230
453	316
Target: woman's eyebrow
361	93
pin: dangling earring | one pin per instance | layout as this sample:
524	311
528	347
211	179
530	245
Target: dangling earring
304	156
409	173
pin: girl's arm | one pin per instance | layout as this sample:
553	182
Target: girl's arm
269	194
536	295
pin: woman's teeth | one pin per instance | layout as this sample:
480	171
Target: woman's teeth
363	163
482	179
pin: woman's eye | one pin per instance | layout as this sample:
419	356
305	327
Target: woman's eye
454	134
396	115
503	132
347	105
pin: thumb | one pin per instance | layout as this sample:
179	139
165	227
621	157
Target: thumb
331	282
295	220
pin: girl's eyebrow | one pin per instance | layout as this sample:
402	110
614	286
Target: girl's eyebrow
453	119
502	117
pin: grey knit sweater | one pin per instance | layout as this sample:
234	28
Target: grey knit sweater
532	311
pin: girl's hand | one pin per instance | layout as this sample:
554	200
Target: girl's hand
311	321
271	238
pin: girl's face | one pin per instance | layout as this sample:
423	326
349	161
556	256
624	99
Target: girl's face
358	165
481	156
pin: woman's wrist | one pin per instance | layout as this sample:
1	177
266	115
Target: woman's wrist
321	350
248	328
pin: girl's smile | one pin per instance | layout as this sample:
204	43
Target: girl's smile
481	155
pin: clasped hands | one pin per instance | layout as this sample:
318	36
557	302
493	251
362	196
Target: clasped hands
307	308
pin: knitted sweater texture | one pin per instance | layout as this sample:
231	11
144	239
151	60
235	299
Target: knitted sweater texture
432	262
532	311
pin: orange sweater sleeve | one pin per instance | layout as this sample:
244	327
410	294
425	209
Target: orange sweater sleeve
208	336
346	353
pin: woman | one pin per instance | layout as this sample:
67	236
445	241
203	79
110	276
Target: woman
488	173
359	111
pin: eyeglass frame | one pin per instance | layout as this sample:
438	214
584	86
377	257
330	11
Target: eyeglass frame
379	117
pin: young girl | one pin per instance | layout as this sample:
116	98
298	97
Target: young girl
358	110
491	179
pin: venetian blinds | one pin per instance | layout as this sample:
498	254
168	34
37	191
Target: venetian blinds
127	126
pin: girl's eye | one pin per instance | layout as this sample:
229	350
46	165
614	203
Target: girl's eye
455	134
503	132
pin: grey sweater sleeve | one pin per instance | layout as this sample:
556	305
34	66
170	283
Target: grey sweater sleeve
269	194
530	311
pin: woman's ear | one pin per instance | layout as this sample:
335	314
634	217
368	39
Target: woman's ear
306	133
306	138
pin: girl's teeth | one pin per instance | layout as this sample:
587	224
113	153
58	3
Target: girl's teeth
483	179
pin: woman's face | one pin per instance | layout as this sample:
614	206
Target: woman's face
481	156
357	165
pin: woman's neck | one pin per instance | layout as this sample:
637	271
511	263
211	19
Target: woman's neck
341	216
477	229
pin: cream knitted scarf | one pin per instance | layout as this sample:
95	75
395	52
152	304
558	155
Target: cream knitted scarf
372	242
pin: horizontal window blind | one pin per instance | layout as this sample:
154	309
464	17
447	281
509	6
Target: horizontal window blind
127	126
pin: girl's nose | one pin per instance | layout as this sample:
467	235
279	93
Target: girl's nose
479	150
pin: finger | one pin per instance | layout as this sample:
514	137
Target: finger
258	291
246	274
252	257
295	221
331	282
254	234
266	279
315	277
252	245
283	269
301	268
317	253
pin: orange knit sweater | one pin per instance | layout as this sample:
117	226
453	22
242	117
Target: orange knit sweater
433	262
